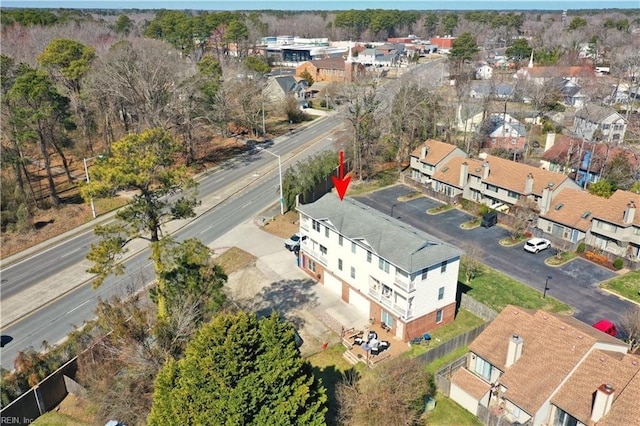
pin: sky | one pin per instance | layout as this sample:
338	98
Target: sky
215	5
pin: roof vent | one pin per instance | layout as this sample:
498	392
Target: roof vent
550	184
580	336
608	387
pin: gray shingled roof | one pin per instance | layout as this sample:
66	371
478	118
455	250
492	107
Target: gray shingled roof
595	113
402	245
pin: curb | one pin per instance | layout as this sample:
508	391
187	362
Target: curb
25	254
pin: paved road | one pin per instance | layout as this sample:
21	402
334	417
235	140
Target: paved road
223	208
575	283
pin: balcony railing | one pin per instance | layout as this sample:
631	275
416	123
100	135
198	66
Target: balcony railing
313	253
404	283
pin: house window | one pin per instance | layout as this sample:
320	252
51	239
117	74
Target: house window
353	272
353	247
512	194
340	264
323	250
316	225
383	265
424	274
326	231
513	141
443	267
312	265
483	368
340	240
439	316
369	256
493	141
440	293
492	188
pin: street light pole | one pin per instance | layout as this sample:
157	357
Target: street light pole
86	172
280	173
392	207
546	283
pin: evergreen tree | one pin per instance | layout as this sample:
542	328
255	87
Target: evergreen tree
143	162
240	370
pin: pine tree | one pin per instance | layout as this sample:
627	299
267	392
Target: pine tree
240	370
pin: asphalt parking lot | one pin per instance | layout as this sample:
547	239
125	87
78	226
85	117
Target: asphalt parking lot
574	283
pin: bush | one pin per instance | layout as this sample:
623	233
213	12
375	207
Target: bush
484	209
580	248
618	264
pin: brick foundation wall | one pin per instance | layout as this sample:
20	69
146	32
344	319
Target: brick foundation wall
304	265
427	323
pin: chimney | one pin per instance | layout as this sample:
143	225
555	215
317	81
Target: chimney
551	139
424	151
629	212
485	170
528	184
545	201
602	402
464	174
514	350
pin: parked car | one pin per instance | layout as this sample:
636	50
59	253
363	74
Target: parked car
606	327
293	242
535	245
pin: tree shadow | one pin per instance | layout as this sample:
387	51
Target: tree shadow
41	224
331	378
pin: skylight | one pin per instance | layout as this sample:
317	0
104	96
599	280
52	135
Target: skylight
586	215
559	206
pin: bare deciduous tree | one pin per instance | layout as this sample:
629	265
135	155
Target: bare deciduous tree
392	394
630	327
470	261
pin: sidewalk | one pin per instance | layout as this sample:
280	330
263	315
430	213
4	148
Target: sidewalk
28	301
33	298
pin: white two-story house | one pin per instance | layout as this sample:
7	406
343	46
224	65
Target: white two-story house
386	269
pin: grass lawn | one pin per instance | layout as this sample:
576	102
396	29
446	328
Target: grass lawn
440	209
442	361
234	259
447	412
411	196
565	256
382	179
474	223
497	290
626	285
58	419
464	322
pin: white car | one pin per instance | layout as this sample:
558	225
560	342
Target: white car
293	242
535	245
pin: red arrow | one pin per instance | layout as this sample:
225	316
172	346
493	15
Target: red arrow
343	183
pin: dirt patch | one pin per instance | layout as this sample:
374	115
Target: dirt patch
77	408
283	226
234	259
250	289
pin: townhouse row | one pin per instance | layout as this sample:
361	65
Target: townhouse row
564	212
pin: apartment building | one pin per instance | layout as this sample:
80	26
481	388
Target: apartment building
388	270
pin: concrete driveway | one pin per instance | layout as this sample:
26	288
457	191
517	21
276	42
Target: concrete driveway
575	283
276	283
